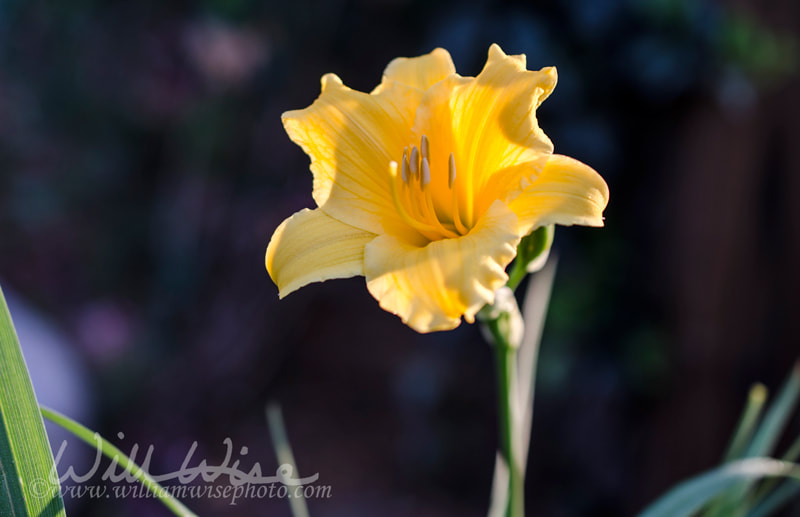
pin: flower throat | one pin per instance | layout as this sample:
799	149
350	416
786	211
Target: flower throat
413	197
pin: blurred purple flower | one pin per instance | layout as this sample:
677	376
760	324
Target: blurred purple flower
104	329
223	54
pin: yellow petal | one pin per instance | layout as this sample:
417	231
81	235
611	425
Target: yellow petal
431	287
566	192
351	137
403	98
489	123
419	72
311	246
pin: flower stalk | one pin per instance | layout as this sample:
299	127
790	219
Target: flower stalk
506	362
503	327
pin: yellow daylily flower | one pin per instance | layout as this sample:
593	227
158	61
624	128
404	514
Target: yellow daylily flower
426	185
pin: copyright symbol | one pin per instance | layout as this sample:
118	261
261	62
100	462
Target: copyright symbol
41	488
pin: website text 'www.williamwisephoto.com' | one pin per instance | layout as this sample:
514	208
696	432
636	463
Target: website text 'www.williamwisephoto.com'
195	479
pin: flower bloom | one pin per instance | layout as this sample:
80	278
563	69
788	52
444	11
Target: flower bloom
426	185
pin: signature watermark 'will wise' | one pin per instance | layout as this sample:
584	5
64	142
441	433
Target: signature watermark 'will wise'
224	481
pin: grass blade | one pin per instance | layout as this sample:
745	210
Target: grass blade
731	503
691	495
763	442
747	424
768	434
767	486
776	418
775	500
110	451
29	484
283	450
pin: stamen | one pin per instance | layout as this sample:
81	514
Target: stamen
426	172
460	228
426	202
430	214
451	181
468	188
404	166
414	162
428	231
451	170
416	206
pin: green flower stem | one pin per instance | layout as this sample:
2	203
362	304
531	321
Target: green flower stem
508	415
517	273
504	329
112	452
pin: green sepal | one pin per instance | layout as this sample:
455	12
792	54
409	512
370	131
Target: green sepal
532	253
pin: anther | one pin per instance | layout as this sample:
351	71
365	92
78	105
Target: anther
427	230
451	169
425	147
414	162
404	166
426	173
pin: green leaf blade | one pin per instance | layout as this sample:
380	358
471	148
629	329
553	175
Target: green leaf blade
110	451
692	495
29	484
776	418
756	400
776	499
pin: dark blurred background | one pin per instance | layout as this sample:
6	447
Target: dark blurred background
143	168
